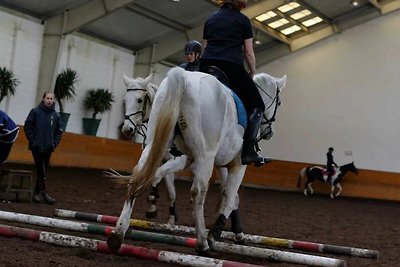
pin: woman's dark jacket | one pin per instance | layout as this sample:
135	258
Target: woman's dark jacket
43	129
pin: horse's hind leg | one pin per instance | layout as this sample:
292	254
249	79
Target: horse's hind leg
116	237
230	202
202	173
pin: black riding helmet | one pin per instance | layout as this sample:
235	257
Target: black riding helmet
193	47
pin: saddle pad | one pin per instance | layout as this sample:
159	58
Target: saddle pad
241	112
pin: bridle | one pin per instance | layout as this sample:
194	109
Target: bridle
265	120
140	129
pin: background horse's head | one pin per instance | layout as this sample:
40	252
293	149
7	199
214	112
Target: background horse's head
349	167
138	100
270	88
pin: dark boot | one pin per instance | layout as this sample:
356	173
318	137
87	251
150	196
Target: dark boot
47	198
249	153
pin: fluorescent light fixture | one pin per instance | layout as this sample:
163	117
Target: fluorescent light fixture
288	7
312	21
291	30
301	14
266	16
278	23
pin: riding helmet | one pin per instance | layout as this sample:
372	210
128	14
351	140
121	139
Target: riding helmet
193	46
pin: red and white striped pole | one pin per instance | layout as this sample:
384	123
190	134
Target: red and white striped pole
250	239
125	250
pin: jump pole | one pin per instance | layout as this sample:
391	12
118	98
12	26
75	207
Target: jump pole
125	250
264	253
251	239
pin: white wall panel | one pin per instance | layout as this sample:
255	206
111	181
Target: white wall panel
98	66
20	46
342	92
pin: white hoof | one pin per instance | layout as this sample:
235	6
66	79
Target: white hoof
171	220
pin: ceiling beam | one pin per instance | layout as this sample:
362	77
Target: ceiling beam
386	7
55	29
157	17
91	11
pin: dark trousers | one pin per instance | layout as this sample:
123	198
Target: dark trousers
239	81
41	164
330	171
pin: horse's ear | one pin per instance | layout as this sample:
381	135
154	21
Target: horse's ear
151	90
148	78
126	80
282	83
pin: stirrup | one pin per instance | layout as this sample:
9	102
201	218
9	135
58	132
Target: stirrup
265	161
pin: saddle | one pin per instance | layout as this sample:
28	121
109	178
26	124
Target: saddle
325	173
217	73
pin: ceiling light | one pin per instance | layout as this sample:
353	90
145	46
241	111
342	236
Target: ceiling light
354	2
301	14
278	23
266	16
312	21
288	7
291	30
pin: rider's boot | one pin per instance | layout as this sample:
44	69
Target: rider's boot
249	153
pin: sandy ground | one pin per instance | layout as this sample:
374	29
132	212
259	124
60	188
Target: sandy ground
344	221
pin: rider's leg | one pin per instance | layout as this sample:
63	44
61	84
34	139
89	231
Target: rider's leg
249	153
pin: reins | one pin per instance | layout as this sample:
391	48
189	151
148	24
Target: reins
275	100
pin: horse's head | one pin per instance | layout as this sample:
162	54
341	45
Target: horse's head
138	99
349	167
270	89
353	168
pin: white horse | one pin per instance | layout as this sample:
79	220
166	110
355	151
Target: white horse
138	102
205	112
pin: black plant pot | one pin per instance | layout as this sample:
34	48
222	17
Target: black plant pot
90	126
64	120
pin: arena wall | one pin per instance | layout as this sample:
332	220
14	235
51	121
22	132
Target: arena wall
101	153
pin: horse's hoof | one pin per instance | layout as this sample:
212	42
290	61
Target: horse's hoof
332	197
204	252
211	241
171	220
114	241
151	214
241	242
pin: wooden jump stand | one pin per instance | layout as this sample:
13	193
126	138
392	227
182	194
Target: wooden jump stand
16	181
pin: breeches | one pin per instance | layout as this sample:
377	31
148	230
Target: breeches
240	82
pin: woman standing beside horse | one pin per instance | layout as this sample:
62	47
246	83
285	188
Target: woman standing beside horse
227	33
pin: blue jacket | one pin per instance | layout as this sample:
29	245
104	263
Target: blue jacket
43	129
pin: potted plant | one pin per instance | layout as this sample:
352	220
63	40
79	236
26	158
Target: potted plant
8	83
98	101
64	89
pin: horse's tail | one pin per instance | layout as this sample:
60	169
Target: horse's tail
161	128
301	175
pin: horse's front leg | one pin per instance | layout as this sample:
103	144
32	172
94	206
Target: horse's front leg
339	189
172	166
151	211
332	191
116	237
169	182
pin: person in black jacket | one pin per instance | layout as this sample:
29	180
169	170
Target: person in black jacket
329	164
43	130
228	41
